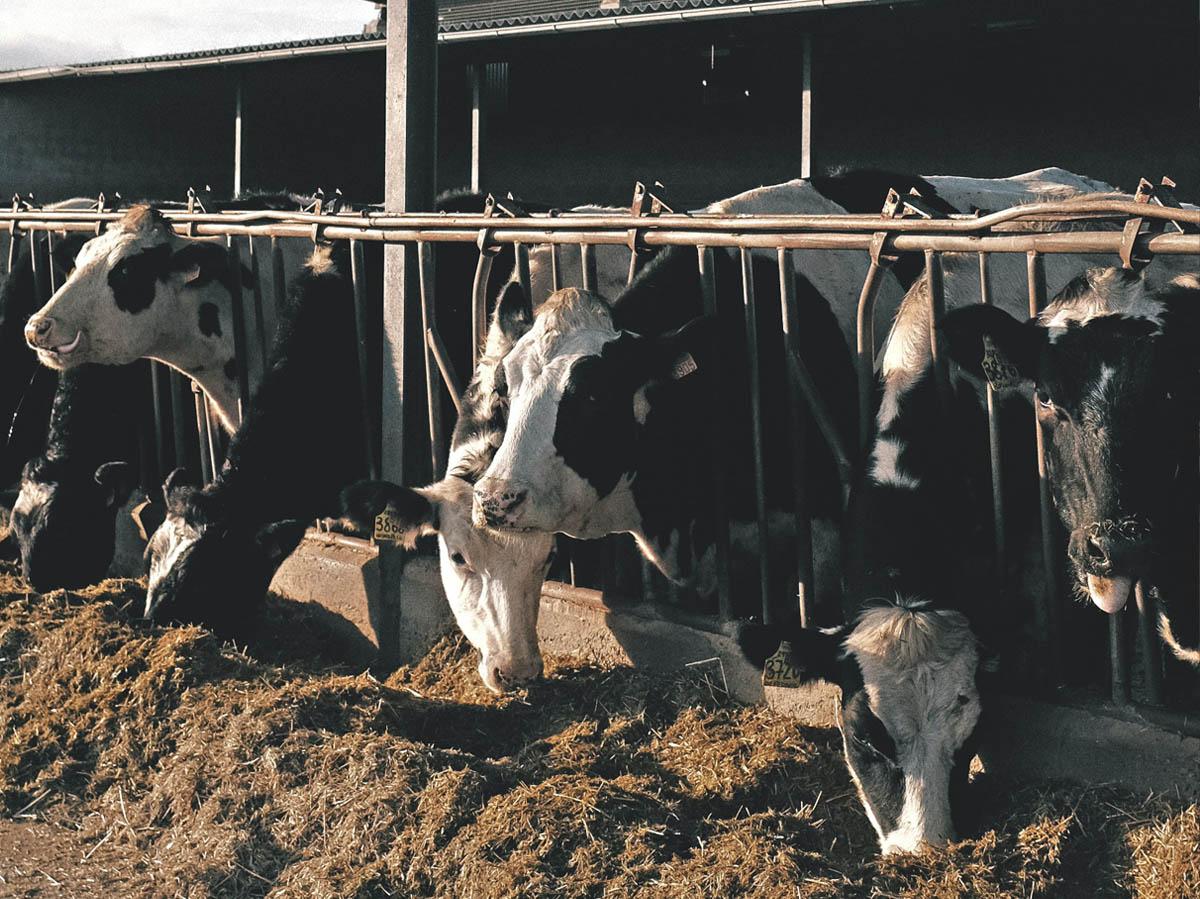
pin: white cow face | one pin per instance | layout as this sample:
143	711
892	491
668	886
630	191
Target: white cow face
905	731
531	483
131	290
492	580
910	705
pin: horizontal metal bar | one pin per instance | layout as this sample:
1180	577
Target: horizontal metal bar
1068	210
1048	243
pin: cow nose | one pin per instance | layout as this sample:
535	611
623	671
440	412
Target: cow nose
37	328
512	675
1114	546
496	502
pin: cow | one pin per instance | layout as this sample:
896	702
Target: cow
65	520
139	290
214	554
1115	370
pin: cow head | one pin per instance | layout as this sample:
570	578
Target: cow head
580	393
64	520
910	705
131	292
204	567
492	580
1115	392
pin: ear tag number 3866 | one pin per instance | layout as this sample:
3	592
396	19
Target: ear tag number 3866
389	528
778	671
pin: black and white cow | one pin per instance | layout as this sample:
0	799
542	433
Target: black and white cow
1115	365
215	553
64	520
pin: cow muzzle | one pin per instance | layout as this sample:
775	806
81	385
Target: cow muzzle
43	334
504	675
498	503
1109	555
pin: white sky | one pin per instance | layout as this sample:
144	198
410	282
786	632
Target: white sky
55	32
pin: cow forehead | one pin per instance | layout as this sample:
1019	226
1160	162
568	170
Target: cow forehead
116	244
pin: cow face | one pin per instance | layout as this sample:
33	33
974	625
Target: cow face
204	570
129	293
63	521
492	580
580	393
1116	399
910	706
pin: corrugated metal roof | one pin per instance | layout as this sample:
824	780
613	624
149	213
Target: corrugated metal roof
474	20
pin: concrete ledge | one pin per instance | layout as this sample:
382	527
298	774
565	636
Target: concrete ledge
1025	738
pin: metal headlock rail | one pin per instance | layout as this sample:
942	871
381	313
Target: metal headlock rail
1151	223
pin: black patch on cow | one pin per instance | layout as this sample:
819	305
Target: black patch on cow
210	321
231	369
872	756
135	278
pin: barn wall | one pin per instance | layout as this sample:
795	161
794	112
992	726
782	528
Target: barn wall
1102	87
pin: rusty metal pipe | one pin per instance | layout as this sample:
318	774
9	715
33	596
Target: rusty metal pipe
587	262
866	354
760	478
718	448
994	450
437	429
449	378
483	270
1118	658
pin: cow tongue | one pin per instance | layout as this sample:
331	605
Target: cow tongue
1109	593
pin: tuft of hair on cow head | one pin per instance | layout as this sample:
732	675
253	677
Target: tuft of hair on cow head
990	343
362	501
118	481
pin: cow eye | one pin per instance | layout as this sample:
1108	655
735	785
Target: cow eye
1044	401
458	558
964	699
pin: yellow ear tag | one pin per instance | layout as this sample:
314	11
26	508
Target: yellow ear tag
778	671
389	527
1001	373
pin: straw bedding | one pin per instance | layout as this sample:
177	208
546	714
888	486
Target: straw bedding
213	772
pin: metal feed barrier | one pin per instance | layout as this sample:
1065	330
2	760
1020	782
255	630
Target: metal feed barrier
1150	224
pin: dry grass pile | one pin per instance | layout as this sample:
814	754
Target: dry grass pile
223	774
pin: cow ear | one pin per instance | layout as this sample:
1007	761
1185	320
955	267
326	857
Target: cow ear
814	653
686	350
990	343
200	262
410	514
278	539
512	318
118	481
148	517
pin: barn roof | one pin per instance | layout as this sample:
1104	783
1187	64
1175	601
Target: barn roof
459	21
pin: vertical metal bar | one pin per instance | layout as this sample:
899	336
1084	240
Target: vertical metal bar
1147	608
210	437
587	263
478	125
178	418
160	443
483	270
259	322
1045	612
866	353
279	288
202	433
521	251
50	262
806	109
790	317
937	308
238	314
760	485
237	140
994	446
555	267
433	397
38	269
1118	658
14	241
718	449
442	358
358	281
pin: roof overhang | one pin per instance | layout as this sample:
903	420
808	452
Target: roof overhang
244	56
